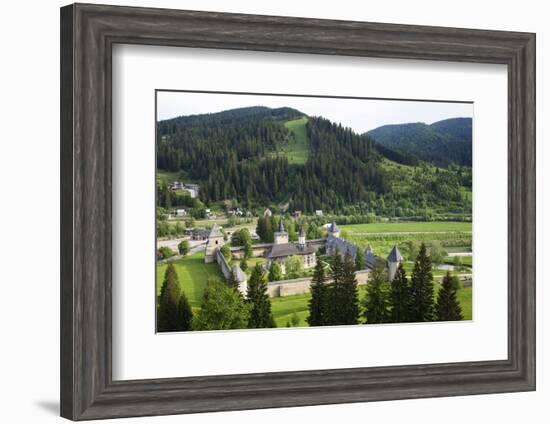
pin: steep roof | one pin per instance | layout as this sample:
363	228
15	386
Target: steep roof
281	226
342	245
215	232
333	228
289	249
302	232
395	255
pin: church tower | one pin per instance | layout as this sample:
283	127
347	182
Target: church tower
333	230
302	238
280	236
215	241
394	259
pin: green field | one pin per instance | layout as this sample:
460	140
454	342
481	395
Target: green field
192	274
409	227
297	149
284	307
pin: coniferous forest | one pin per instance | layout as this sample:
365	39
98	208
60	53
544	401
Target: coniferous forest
243	154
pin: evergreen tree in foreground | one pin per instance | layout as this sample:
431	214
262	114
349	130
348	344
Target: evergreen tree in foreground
257	297
422	288
318	304
335	291
359	260
174	312
185	314
349	306
400	296
447	307
233	282
376	303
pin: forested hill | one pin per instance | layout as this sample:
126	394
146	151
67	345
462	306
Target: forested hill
260	156
441	143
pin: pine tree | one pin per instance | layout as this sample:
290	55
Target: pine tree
422	289
185	314
359	260
447	307
400	297
318	304
375	302
349	299
335	290
173	313
257	297
233	282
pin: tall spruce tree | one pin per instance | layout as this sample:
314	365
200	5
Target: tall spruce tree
258	299
376	302
422	288
185	314
334	293
318	304
173	313
447	307
349	306
400	297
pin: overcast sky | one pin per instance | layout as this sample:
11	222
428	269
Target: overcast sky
360	114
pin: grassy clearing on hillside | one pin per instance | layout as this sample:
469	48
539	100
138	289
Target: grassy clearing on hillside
192	274
297	149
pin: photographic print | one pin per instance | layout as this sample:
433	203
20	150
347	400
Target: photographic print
281	211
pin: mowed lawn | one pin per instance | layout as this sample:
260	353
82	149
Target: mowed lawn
193	274
297	149
409	227
284	307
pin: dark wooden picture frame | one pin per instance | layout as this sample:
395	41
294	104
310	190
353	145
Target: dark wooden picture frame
88	33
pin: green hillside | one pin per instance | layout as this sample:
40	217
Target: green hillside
297	149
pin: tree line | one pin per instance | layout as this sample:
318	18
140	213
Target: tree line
398	301
224	307
239	159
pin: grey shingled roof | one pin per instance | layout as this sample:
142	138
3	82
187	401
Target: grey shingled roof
342	245
281	226
333	227
395	255
215	231
239	274
289	249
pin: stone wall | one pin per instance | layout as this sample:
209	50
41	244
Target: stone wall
302	285
223	264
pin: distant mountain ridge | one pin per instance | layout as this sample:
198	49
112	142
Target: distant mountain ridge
231	115
441	143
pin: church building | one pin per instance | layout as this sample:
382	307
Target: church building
282	249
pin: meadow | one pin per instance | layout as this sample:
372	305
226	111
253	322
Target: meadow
193	274
297	149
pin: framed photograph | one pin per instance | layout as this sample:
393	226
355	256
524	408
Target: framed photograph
263	212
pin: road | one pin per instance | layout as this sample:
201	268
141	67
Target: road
173	243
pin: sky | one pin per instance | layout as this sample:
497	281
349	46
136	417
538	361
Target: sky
361	115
